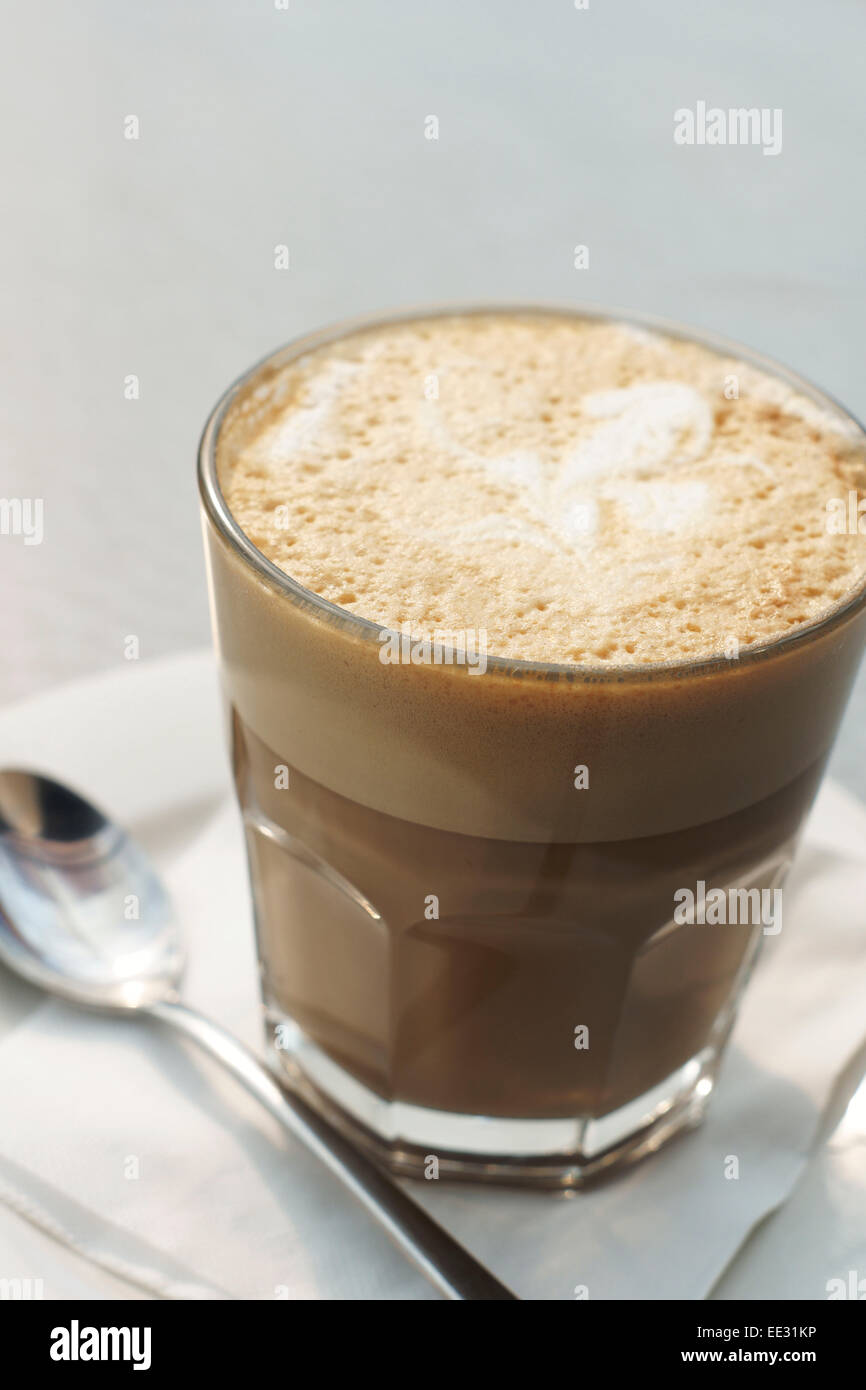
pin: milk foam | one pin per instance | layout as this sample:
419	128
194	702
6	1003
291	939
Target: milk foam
581	491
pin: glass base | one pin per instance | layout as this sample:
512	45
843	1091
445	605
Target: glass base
414	1141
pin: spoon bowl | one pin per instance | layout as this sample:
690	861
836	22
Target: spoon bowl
82	911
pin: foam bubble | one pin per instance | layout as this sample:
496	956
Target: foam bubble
303	425
662	506
567	458
654	424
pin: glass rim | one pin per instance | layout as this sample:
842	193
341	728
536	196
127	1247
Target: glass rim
366	629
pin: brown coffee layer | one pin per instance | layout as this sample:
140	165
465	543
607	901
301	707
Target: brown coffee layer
474	1007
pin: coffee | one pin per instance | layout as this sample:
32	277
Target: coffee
465	878
582	492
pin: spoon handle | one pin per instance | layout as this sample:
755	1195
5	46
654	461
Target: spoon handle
448	1266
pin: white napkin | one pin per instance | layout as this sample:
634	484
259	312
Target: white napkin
224	1205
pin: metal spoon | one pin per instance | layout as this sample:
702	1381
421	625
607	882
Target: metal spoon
84	915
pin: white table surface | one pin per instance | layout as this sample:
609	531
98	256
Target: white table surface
261	126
